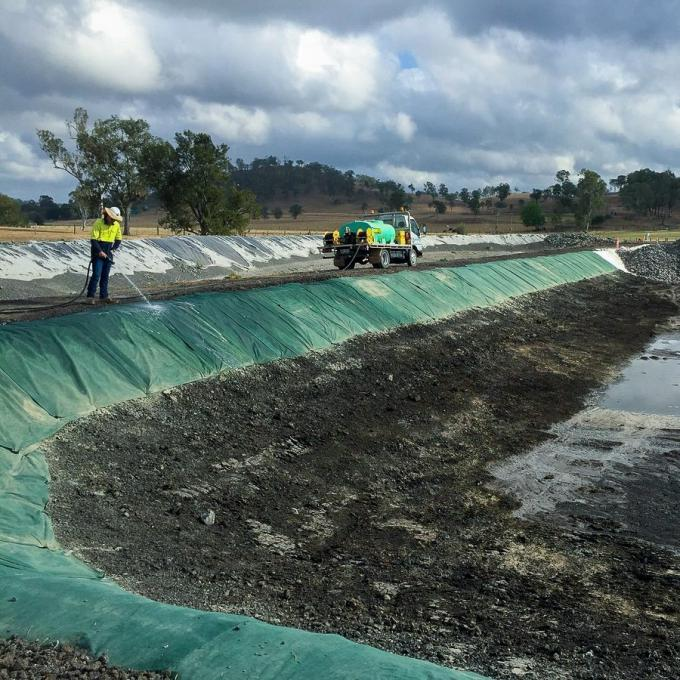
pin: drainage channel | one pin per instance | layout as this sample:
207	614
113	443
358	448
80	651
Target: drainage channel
56	370
615	466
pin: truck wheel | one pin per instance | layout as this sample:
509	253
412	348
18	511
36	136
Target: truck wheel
384	259
349	264
412	258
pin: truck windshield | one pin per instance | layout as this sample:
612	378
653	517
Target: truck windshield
397	220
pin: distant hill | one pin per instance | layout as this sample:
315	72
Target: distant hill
327	197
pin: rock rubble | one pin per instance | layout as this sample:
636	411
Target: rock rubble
34	661
657	262
576	240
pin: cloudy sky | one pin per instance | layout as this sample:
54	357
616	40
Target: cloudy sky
469	93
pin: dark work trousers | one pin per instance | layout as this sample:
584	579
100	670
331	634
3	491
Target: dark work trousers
100	276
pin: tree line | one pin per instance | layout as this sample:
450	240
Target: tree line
269	178
583	198
118	161
647	192
14	212
393	195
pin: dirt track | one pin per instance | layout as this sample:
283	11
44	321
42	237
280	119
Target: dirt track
350	492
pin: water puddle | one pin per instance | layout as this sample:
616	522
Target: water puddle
651	383
614	466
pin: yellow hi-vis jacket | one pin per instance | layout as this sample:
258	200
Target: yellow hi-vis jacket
107	233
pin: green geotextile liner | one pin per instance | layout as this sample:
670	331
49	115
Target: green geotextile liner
55	370
58	369
136	632
46	594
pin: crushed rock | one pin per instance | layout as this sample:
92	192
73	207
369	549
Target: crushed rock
575	240
657	262
49	661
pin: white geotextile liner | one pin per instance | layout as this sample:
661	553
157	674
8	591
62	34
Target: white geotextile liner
36	260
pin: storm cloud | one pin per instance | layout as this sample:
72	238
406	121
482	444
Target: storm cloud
460	92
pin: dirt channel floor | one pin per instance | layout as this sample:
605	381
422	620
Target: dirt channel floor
351	493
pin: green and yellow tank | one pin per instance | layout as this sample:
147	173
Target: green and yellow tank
375	231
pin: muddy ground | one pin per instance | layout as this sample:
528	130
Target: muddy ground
351	493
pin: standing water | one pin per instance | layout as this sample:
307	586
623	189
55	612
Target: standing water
651	383
616	464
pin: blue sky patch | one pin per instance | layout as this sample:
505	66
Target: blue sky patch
407	60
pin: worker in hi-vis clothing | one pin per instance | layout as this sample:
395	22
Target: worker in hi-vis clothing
105	238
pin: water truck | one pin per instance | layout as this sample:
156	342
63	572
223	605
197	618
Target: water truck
378	240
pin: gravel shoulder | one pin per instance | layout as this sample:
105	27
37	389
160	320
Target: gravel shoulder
349	491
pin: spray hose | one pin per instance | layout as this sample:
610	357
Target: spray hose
40	308
351	262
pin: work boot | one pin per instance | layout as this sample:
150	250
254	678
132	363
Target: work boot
90	301
109	301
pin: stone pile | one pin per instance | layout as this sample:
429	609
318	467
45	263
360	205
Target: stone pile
578	239
658	262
